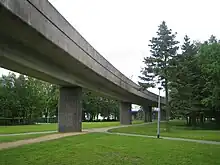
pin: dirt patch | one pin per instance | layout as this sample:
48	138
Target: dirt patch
37	140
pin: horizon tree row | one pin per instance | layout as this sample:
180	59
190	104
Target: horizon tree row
24	99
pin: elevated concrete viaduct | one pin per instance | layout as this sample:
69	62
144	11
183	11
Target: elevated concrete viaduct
36	40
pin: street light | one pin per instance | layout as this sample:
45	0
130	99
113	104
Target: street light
158	114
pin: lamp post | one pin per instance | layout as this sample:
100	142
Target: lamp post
158	114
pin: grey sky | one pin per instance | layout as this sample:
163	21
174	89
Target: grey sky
121	29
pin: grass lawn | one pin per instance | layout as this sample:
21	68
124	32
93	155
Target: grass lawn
178	129
19	137
53	127
105	149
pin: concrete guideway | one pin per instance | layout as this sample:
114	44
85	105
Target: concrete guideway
42	44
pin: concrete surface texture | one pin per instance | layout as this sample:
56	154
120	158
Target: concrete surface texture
36	40
147	113
125	113
70	109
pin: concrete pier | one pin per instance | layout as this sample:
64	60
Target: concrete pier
125	113
147	113
70	109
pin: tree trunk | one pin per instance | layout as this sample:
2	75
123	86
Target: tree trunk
217	117
97	116
190	120
91	117
30	118
194	119
115	115
150	115
83	116
167	103
201	119
167	107
187	120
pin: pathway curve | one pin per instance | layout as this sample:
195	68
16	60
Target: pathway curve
37	140
27	133
52	136
92	130
167	138
105	130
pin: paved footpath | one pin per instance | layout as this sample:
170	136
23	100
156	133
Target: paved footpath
28	133
105	129
168	138
93	130
52	136
37	140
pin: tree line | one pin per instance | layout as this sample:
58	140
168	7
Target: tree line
24	100
189	74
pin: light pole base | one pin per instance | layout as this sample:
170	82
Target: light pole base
158	136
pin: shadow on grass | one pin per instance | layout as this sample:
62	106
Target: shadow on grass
208	125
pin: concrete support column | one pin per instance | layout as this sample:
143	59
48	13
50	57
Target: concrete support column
150	114
70	109
147	113
125	113
162	115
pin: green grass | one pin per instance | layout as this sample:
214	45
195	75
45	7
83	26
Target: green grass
19	137
53	127
104	149
27	128
137	122
177	129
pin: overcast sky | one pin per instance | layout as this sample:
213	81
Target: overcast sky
121	29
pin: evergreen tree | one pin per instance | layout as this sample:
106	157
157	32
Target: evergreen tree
184	79
212	39
209	59
163	49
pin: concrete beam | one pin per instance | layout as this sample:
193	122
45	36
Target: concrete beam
53	42
125	113
146	113
70	109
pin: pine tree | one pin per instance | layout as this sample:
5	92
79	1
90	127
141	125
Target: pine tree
163	49
185	80
212	39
